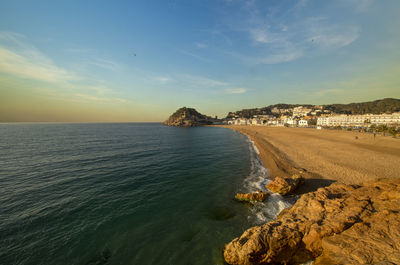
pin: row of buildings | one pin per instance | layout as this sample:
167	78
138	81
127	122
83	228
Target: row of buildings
270	121
359	120
303	118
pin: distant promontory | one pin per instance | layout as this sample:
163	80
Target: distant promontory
188	117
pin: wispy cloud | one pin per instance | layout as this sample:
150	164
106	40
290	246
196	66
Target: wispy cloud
282	56
92	57
106	64
200	58
360	5
99	89
20	59
28	67
285	32
100	99
332	36
201	45
235	90
262	35
202	81
23	60
163	79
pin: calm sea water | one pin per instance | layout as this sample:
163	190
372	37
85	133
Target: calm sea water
124	193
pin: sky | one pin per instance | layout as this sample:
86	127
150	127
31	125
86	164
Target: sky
136	61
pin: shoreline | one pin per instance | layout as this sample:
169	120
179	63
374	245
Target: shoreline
278	164
323	156
335	220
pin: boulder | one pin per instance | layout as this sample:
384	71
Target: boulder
339	224
285	186
252	197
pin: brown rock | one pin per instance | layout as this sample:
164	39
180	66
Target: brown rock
284	186
339	224
188	117
252	197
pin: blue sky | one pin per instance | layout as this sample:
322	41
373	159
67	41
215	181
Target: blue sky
75	60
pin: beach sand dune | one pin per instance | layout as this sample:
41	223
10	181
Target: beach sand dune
324	156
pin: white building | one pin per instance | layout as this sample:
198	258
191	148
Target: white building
290	121
255	121
280	111
241	121
303	123
359	120
301	111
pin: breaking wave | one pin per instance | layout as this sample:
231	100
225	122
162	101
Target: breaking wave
268	210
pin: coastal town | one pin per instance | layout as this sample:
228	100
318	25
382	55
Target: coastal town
317	117
380	116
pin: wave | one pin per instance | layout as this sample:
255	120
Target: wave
258	177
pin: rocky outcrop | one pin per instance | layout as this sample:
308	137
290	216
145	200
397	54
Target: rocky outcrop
285	186
339	224
258	196
188	117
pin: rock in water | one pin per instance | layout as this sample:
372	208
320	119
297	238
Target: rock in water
284	186
339	224
188	117
258	196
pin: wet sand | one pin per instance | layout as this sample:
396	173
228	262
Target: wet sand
324	156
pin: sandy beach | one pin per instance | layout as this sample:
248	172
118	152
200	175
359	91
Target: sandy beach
324	156
339	224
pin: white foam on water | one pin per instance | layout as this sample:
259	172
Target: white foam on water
268	210
255	147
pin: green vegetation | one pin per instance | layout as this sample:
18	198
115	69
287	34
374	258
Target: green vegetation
387	105
190	111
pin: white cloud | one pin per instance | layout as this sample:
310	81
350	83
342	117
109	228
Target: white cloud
361	5
163	79
281	57
262	36
20	59
333	36
202	81
235	90
281	33
100	99
106	64
17	57
196	56
100	89
201	45
32	67
334	40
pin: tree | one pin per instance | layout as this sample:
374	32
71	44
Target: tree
392	131
382	128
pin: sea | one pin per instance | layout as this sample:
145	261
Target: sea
125	193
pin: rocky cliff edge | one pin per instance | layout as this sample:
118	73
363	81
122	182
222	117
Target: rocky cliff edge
339	224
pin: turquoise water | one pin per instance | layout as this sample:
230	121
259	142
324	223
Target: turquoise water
136	193
123	193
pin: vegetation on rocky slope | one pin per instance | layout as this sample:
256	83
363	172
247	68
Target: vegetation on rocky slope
187	117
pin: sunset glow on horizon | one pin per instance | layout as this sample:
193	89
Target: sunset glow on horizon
136	61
